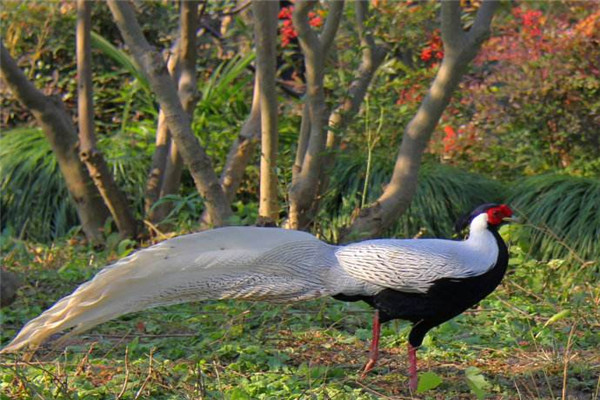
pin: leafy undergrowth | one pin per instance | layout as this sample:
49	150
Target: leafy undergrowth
534	338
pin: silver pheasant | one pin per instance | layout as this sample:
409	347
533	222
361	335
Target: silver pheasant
400	278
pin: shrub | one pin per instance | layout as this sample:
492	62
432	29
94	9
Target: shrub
561	216
34	198
532	103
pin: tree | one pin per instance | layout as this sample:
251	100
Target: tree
266	68
460	48
324	117
58	127
178	121
312	140
165	175
114	199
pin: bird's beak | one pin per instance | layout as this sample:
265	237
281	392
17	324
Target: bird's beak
511	220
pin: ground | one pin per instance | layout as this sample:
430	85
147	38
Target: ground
519	343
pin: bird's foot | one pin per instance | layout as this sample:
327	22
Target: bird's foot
368	367
413	383
412	368
374	350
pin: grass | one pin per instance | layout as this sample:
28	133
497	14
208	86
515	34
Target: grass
527	341
44	211
566	208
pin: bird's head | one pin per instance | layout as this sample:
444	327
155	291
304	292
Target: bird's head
488	215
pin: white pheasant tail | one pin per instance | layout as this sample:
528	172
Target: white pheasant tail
236	262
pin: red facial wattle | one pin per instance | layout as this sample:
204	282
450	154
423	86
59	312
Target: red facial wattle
496	215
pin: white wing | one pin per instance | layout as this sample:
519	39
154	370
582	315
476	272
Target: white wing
414	265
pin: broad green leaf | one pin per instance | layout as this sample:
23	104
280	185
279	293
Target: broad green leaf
557	317
477	382
428	381
238	394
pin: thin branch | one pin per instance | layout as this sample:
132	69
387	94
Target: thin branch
242	148
304	179
309	40
372	57
156	175
483	20
113	197
452	32
21	87
85	102
303	137
265	28
185	76
332	24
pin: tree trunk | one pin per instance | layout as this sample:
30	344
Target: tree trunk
265	30
192	152
342	115
58	127
187	83
242	148
305	179
460	48
115	200
161	152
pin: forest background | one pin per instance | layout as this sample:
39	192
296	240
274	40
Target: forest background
522	127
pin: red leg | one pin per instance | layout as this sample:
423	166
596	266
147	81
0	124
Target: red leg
412	367
374	349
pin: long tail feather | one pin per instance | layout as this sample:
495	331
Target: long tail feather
236	262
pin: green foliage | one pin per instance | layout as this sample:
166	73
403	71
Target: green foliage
223	105
443	195
477	382
34	199
33	195
121	58
561	216
428	381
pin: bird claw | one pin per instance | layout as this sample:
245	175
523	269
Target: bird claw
367	368
413	383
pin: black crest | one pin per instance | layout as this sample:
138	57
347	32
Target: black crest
466	219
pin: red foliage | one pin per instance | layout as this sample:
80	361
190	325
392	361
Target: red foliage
531	21
536	89
285	13
450	138
314	20
411	95
434	49
287	31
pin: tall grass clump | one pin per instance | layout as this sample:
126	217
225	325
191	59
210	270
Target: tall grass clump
34	198
444	194
561	216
